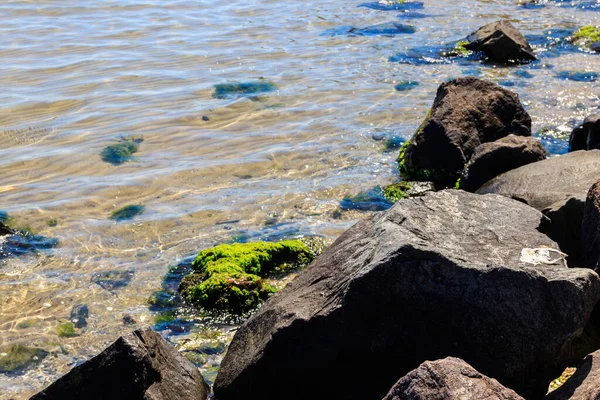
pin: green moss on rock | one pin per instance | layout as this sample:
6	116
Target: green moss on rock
229	277
18	357
66	329
459	50
121	152
396	191
586	36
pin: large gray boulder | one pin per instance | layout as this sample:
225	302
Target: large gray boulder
584	384
448	273
139	365
501	42
466	112
448	379
590	229
557	187
495	158
587	135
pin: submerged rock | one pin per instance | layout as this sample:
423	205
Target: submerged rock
230	277
466	112
127	212
501	42
448	379
139	365
587	135
494	158
584	384
438	275
121	152
590	229
241	89
114	279
558	188
17	358
370	200
79	315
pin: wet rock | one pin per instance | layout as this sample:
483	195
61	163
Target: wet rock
111	280
586	37
587	135
121	152
370	200
127	212
579	76
465	113
79	315
5	230
501	42
492	159
558	188
17	358
139	365
434	276
404	190
403	86
128	320
448	379
590	229
242	89
584	384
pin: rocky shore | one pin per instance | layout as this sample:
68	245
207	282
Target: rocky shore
486	288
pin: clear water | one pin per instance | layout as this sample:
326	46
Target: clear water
78	78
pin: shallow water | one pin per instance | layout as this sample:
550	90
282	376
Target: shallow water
78	78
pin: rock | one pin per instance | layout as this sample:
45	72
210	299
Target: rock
448	379
5	230
434	276
590	229
79	314
139	365
494	158
466	113
584	384
501	42
587	135
558	187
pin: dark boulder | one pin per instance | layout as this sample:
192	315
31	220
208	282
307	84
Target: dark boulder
79	315
587	135
466	112
5	230
557	187
495	158
590	229
584	384
139	365
445	274
501	42
448	379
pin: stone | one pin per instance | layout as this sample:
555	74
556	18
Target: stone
449	273
79	315
558	188
139	365
494	158
587	135
448	379
5	230
501	42
466	113
590	229
584	384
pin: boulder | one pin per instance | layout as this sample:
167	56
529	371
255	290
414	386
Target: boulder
139	365
5	230
584	384
494	158
558	187
590	229
448	379
466	113
448	273
501	42
587	135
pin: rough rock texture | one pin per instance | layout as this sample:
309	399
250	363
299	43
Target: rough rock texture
590	229
501	42
5	230
587	135
584	384
139	365
495	158
433	276
466	113
558	187
448	379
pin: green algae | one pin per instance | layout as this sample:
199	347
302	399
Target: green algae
18	357
66	330
120	153
238	89
230	277
586	36
459	50
52	222
127	212
397	191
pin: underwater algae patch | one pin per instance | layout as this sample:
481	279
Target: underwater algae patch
120	153
230	277
127	212
18	357
238	89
